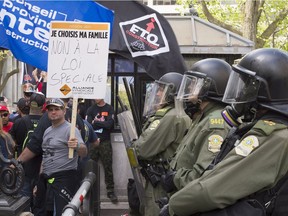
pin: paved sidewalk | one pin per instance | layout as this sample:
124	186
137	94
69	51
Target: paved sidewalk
115	212
110	209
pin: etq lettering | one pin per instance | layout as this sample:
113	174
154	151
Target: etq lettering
151	38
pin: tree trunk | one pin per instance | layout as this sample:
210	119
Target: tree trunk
212	19
250	19
1	68
4	79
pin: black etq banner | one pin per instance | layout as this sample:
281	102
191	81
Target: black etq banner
144	36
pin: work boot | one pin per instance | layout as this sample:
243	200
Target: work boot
112	197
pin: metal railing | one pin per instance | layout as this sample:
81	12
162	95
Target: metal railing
88	195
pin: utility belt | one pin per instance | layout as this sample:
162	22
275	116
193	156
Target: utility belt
46	181
152	172
61	174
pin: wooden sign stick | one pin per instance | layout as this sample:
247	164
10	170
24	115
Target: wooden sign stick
73	124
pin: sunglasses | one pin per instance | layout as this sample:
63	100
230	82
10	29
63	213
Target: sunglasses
4	115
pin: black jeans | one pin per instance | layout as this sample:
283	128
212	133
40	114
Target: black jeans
58	188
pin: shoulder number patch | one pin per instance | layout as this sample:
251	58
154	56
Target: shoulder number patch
215	141
216	121
247	145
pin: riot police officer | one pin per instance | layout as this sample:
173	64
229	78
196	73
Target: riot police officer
254	155
160	137
204	88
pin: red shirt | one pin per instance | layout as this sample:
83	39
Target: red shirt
7	127
39	86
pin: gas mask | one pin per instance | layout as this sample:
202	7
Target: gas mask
235	114
241	92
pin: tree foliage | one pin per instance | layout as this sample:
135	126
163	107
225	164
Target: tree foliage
4	75
263	21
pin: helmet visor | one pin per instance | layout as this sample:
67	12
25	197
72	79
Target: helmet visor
156	96
241	88
193	87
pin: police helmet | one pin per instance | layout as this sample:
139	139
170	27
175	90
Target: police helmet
174	79
269	66
218	71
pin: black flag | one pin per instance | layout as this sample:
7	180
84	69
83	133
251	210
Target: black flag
144	36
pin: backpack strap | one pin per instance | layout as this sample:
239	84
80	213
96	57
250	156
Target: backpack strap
28	122
30	129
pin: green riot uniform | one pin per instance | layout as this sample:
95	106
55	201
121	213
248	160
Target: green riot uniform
257	163
200	145
162	135
158	141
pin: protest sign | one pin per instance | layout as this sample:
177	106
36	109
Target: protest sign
77	63
78	59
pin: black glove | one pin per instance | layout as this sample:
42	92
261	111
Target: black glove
164	211
162	202
167	181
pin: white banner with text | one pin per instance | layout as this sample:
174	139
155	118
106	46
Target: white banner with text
78	60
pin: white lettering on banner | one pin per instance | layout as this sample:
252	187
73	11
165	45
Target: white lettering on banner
151	38
137	37
27	41
9	4
20	16
144	36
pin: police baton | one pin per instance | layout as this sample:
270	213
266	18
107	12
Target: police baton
133	108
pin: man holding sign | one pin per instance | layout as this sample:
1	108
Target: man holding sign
59	171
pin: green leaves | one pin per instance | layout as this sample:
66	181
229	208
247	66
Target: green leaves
270	17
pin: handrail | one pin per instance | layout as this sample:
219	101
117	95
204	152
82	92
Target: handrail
72	208
88	193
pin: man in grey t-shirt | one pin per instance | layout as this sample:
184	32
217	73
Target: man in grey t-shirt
58	170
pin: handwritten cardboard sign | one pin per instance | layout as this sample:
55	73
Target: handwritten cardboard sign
78	59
